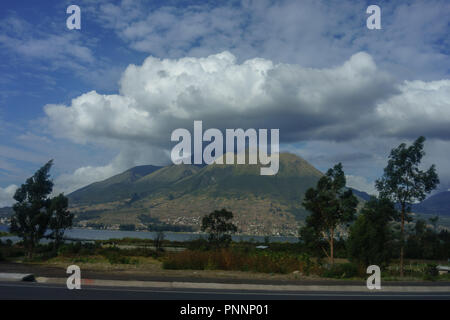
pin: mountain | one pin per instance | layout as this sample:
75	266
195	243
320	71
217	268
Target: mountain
361	194
111	189
6	211
181	195
437	204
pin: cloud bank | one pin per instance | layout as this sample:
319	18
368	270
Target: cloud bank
349	102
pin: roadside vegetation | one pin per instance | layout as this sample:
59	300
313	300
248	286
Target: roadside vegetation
337	240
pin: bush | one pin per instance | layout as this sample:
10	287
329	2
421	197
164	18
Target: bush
117	258
10	251
431	272
78	248
70	249
198	244
341	271
2	258
228	259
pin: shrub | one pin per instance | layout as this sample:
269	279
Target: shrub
78	248
70	249
116	258
198	244
341	271
431	272
12	252
228	259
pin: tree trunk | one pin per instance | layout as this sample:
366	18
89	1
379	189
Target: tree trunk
30	251
332	247
402	239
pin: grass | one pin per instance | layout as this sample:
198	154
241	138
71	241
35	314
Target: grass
105	264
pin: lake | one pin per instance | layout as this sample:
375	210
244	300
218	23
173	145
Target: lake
88	234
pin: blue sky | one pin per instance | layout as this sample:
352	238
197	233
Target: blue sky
345	93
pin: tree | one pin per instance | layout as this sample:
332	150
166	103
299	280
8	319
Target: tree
434	221
60	218
35	213
404	183
159	240
30	219
423	243
312	241
219	226
331	205
420	227
370	239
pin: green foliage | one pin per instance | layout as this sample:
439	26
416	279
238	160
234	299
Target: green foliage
198	244
81	252
431	272
370	240
426	243
35	212
115	257
30	220
232	259
219	226
312	240
341	271
7	250
403	182
60	218
330	205
434	221
78	248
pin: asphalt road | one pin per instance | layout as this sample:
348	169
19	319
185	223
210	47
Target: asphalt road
21	290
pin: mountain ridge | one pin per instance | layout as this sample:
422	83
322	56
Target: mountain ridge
182	194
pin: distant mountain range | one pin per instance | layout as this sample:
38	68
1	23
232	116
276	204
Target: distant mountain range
178	196
437	204
361	194
6	212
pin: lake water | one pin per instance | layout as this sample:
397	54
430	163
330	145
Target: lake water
87	234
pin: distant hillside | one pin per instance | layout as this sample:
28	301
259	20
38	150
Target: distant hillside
111	189
182	194
6	211
438	204
363	195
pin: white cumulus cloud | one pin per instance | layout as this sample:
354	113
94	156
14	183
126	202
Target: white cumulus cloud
6	195
346	103
361	184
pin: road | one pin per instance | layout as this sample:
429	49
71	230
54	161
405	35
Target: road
21	290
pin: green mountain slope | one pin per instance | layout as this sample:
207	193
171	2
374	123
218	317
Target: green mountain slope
295	176
111	189
181	195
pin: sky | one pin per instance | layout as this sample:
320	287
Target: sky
105	98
